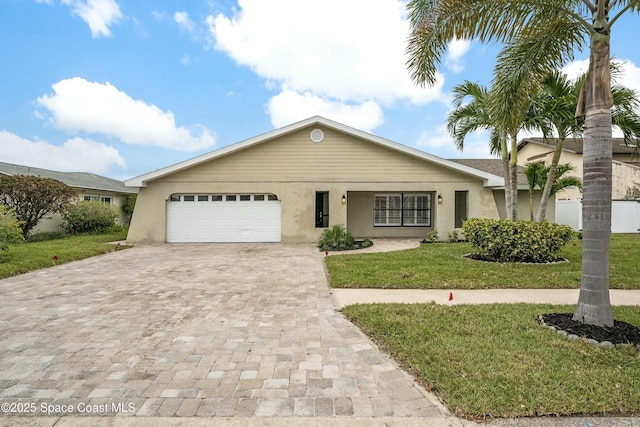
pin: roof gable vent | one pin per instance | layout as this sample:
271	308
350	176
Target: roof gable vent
316	135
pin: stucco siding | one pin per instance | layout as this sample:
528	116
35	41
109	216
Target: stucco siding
626	181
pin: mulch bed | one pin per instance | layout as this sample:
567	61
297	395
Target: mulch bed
620	333
487	258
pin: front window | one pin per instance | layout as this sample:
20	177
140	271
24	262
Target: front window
96	197
403	209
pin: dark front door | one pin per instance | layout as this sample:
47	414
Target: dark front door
322	209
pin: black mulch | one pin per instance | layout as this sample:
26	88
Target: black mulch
620	333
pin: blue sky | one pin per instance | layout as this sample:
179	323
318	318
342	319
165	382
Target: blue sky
124	87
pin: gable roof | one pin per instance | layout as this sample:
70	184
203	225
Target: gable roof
575	145
85	180
490	180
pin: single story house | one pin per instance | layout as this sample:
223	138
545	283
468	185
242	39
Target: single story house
88	186
289	184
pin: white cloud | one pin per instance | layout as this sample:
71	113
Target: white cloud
184	22
576	68
630	76
91	107
158	16
98	14
457	49
350	51
76	154
629	72
290	106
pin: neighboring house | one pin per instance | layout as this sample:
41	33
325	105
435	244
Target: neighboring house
625	175
87	185
291	183
626	164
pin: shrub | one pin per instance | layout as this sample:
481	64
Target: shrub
453	236
10	231
432	236
517	241
336	237
90	217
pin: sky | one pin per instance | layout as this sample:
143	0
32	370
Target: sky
124	87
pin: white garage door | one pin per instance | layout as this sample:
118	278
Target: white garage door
223	218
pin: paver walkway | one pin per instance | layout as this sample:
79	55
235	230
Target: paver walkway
193	330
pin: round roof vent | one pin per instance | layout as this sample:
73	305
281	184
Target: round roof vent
316	135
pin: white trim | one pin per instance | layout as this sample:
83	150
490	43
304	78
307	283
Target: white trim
490	180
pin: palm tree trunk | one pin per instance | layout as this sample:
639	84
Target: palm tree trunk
551	177
531	204
594	305
513	163
504	152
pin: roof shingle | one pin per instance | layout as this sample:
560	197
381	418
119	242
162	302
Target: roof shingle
72	179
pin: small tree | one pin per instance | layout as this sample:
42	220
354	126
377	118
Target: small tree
128	206
10	231
537	175
32	198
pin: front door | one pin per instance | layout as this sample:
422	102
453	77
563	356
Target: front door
322	209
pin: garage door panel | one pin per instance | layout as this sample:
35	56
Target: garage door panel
233	221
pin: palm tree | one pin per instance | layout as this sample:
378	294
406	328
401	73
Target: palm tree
561	181
533	171
475	116
540	36
555	104
538	175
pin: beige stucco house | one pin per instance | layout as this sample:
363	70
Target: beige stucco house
289	184
88	186
626	164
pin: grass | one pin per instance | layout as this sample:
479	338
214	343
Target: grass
29	256
494	360
442	266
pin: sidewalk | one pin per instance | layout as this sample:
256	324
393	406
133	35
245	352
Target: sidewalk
344	297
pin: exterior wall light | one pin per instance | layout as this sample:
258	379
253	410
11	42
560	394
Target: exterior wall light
439	198
344	199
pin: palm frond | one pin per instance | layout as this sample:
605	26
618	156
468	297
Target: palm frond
434	23
527	60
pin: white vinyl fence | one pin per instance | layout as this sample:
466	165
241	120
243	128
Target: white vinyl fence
625	215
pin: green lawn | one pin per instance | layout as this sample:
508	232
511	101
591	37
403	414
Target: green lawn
442	265
496	361
28	256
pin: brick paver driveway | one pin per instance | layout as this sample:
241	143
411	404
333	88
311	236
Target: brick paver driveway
192	330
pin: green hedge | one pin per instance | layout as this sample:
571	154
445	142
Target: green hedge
90	217
517	241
